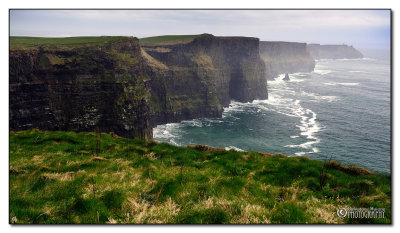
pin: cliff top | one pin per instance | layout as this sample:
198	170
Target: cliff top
24	42
168	39
58	177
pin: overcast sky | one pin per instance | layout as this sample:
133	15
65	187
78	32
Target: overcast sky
360	28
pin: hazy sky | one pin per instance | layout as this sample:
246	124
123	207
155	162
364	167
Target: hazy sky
360	28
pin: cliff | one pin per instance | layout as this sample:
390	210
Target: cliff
78	84
114	84
196	76
285	57
318	51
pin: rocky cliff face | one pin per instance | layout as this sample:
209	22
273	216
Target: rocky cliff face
79	88
285	57
198	78
318	51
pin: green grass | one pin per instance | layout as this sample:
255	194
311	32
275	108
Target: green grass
27	42
57	177
168	39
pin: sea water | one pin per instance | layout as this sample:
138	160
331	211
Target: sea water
340	111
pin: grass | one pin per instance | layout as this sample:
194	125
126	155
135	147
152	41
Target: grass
168	39
66	177
20	42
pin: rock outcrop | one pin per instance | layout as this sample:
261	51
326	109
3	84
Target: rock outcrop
318	51
285	57
286	78
81	87
197	78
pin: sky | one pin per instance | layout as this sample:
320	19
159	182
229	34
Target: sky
360	28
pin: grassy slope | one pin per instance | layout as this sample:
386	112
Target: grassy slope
168	39
22	42
65	177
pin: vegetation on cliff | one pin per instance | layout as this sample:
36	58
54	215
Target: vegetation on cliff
25	42
66	177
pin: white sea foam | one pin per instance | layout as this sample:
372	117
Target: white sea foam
320	97
342	84
294	136
296	80
358	71
322	72
300	153
167	132
308	128
346	59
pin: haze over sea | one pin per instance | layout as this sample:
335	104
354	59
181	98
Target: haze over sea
340	111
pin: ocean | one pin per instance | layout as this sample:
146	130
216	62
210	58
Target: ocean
340	111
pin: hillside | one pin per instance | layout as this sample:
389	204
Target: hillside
66	177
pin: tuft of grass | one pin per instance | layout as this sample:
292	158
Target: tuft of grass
60	177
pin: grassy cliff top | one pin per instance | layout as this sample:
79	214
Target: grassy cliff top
24	42
168	39
66	177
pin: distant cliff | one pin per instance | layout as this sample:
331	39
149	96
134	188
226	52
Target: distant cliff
285	57
195	77
318	51
64	85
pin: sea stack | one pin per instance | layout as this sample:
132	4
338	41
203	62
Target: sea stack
286	78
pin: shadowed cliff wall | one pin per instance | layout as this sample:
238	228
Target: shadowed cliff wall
285	57
79	88
200	77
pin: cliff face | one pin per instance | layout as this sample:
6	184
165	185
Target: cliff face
103	85
285	57
318	51
198	78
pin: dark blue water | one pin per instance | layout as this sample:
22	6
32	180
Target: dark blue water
339	111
